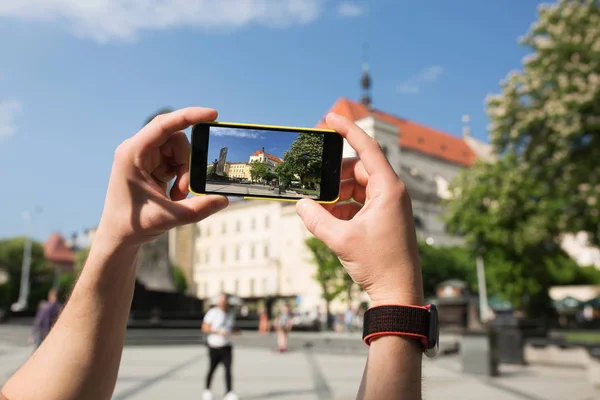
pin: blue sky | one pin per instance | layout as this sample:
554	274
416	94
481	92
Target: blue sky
76	81
241	144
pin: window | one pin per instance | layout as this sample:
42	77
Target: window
237	226
223	228
237	253
206	257
266	251
264	285
418	222
236	287
253	224
223	255
222	286
251	287
252	252
267	222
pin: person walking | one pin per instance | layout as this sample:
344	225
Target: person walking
46	316
283	324
218	326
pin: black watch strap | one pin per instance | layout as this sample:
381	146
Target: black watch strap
419	322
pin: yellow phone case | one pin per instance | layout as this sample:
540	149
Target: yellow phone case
270	127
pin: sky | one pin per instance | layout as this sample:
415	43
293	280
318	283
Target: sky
242	143
75	81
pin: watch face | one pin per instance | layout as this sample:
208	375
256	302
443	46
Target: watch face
433	342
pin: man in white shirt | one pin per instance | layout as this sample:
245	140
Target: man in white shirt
217	325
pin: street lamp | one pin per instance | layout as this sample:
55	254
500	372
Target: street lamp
21	303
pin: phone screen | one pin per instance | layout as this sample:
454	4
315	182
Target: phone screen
266	162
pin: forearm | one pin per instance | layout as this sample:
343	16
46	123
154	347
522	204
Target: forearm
393	370
80	357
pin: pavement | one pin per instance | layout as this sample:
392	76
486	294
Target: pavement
250	190
177	371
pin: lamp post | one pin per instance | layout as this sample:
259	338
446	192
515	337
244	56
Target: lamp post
21	303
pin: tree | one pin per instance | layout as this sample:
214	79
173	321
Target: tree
41	273
548	116
269	176
80	258
258	170
284	173
180	280
305	157
442	263
330	273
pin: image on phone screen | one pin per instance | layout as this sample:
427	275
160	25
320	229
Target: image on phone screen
267	162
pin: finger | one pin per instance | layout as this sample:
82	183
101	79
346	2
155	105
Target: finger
163	126
319	221
351	189
194	209
177	151
366	147
348	165
346	211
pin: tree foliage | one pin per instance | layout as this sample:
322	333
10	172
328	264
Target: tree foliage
80	258
548	116
545	128
330	272
180	281
41	273
439	264
258	170
305	157
284	173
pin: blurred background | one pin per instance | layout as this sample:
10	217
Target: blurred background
489	112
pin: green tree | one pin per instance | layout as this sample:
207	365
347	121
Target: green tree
305	157
284	173
258	170
180	281
330	273
41	273
269	176
80	259
442	263
548	117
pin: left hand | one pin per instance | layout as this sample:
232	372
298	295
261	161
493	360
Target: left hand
138	208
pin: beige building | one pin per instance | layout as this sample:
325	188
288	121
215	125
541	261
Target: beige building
256	249
269	159
240	170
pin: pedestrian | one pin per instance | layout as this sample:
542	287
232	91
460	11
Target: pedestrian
218	326
263	323
283	324
349	320
46	315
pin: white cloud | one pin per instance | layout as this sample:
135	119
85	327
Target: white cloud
9	110
105	20
238	133
427	75
350	10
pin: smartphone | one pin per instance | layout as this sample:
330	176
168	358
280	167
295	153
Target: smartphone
265	162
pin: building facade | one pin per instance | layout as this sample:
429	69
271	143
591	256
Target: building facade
270	160
238	170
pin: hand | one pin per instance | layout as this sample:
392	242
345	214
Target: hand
376	242
137	208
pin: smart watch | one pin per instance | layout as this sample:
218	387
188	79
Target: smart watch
419	322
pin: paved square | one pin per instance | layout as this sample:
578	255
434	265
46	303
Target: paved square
177	372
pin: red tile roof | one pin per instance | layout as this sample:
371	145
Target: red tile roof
56	250
413	135
269	156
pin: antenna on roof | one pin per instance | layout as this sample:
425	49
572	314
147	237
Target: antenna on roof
466	129
365	80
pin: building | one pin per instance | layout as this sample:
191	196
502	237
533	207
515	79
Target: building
239	170
256	250
269	159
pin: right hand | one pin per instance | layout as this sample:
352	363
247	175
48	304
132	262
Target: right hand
376	243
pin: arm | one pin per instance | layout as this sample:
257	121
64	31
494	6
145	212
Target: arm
84	347
377	246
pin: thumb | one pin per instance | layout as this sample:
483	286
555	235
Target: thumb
196	208
318	221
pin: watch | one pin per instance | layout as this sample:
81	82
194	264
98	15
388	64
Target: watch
419	322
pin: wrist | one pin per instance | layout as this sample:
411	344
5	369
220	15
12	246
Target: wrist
397	297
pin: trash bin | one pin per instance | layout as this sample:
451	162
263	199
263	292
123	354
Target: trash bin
510	342
478	353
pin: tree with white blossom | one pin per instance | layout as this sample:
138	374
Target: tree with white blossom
545	129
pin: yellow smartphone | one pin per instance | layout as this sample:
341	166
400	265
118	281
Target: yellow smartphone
265	162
